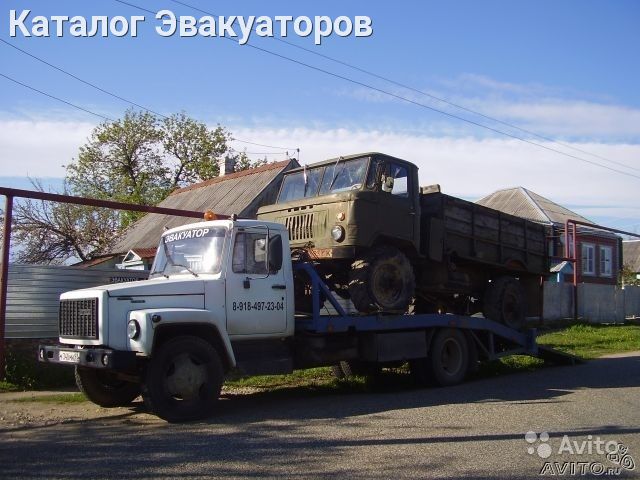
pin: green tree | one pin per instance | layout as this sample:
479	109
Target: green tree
193	147
628	276
136	159
243	162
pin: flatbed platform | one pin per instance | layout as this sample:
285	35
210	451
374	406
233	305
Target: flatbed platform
493	339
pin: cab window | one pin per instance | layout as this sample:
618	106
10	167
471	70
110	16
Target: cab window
395	180
250	253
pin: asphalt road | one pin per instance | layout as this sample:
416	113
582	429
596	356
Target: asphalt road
474	430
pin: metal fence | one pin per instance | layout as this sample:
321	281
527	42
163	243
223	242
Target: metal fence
596	303
33	292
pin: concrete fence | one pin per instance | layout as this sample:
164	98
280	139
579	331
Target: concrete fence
596	303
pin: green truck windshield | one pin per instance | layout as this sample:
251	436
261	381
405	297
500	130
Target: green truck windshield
336	177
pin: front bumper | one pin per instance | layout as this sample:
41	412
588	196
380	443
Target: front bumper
103	358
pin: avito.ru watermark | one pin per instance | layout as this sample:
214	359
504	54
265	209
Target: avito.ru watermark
616	456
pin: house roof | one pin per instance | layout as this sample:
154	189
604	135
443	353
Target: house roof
527	204
631	254
92	262
145	252
562	267
232	193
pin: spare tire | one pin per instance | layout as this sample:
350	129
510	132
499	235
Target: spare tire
382	280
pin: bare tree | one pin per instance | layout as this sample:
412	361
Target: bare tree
52	233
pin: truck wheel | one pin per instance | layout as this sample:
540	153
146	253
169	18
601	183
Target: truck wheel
354	368
505	302
382	280
183	380
104	389
448	358
337	372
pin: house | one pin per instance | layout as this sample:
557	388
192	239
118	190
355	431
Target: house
631	257
232	192
599	252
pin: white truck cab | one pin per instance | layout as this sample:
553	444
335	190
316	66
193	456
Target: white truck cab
215	288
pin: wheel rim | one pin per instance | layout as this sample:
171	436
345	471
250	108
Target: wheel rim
388	284
451	356
185	377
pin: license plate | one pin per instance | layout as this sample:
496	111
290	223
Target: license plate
69	357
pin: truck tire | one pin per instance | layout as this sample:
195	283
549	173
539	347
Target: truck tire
183	380
354	368
448	358
505	302
104	389
382	280
337	371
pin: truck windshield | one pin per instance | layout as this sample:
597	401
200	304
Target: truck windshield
195	250
340	176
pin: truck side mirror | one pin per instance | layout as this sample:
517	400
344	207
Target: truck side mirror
387	183
275	253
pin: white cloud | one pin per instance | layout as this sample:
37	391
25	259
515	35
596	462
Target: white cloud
467	166
39	148
545	110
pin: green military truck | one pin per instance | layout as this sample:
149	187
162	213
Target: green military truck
390	246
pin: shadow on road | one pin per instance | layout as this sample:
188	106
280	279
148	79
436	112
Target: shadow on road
253	434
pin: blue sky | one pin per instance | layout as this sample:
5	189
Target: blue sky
566	70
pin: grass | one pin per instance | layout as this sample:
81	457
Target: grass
9	387
309	377
61	398
591	341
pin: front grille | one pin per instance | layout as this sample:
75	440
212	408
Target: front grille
300	226
79	318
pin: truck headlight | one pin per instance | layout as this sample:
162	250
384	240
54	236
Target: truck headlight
337	233
133	329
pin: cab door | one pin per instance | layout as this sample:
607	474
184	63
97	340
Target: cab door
397	203
255	287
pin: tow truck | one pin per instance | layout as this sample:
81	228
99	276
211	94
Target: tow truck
220	297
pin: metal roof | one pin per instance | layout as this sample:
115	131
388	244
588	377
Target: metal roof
527	204
233	193
631	254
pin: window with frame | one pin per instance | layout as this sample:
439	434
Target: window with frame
250	253
588	259
395	180
606	261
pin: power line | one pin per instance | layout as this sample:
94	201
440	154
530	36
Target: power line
54	97
448	102
421	92
414	102
93	85
263	145
260	153
80	79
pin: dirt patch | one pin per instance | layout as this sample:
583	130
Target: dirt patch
36	409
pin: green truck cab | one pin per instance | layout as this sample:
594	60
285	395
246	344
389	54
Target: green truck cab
341	206
390	246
